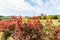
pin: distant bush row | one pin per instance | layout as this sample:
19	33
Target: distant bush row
40	17
49	17
4	17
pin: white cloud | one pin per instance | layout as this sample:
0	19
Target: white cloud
20	6
58	7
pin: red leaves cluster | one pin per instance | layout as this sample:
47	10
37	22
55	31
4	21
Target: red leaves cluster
32	24
58	20
33	21
48	22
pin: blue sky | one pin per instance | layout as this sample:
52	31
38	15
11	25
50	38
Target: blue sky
29	7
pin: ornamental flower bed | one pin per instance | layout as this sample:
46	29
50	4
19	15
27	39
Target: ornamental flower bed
15	29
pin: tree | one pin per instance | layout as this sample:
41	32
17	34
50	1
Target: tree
54	16
0	17
43	17
49	17
58	16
